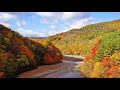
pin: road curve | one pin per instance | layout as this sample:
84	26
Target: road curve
65	72
65	69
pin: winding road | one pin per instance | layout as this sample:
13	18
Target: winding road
73	61
67	69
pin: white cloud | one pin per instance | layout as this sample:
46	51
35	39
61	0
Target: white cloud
30	33
62	16
53	27
33	33
21	23
44	20
69	20
6	16
48	32
45	14
81	23
77	24
68	15
74	15
49	17
5	24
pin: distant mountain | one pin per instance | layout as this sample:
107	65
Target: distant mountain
18	53
37	37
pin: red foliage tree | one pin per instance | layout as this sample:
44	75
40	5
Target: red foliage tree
88	57
48	59
52	55
111	67
106	61
26	51
111	72
93	50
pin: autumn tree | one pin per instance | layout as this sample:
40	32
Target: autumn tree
23	50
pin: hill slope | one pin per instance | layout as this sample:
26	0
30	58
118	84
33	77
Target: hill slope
18	53
79	41
99	43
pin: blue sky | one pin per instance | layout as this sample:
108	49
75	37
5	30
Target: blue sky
42	24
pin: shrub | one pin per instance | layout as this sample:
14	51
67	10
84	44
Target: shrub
112	72
112	68
98	70
22	61
116	57
87	68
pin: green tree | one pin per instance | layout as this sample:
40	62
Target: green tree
22	61
110	44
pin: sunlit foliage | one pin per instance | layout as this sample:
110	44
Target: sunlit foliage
18	53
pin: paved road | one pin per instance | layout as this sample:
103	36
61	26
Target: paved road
64	72
74	56
71	75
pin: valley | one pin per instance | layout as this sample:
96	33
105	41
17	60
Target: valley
64	69
92	51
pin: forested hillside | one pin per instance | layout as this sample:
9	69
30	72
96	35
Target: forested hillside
79	41
104	59
18	53
99	43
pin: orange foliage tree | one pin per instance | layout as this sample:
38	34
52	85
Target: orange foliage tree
93	50
111	67
25	50
52	55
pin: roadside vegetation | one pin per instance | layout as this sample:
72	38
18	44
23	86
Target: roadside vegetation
98	43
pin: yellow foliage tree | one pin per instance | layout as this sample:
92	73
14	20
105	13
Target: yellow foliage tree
98	70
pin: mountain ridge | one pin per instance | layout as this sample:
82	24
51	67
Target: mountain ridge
83	35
